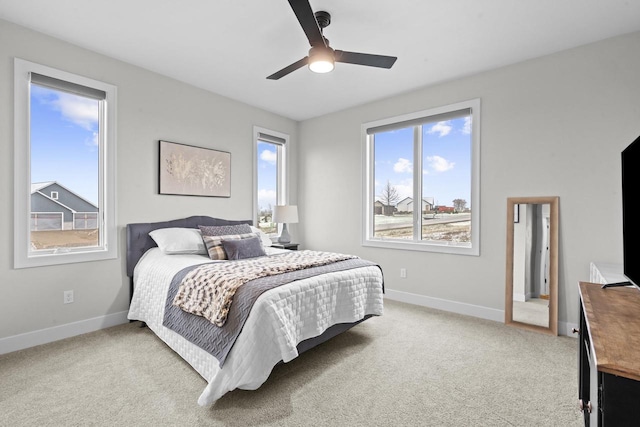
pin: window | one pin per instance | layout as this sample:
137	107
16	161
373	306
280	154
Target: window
64	204
270	185
422	180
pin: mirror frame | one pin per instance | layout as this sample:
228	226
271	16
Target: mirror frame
553	263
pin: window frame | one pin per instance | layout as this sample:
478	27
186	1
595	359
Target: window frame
368	197
108	245
282	188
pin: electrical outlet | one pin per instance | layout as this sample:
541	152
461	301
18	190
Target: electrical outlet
68	297
403	273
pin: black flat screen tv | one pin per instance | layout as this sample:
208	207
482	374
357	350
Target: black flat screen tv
630	220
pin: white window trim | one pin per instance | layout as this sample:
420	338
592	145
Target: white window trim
283	167
368	186
108	249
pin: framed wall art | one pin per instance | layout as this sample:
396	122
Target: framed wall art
194	171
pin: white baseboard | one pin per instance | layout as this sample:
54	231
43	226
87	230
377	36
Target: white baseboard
564	328
43	336
446	305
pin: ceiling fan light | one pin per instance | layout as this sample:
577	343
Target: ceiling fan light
321	66
321	59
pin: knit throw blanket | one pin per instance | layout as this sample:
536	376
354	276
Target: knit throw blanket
208	290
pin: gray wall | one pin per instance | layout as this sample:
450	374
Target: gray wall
552	126
150	107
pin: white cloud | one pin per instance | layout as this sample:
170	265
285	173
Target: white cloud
466	129
404	189
266	198
269	156
94	140
77	109
439	164
441	128
403	166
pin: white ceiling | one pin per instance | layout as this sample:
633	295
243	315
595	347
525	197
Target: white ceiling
230	46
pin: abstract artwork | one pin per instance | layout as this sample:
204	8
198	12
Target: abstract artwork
194	171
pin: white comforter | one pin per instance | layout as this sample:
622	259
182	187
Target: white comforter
280	319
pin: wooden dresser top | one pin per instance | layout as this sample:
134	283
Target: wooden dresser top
613	317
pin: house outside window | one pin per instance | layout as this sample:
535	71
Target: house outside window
422	180
65	167
270	176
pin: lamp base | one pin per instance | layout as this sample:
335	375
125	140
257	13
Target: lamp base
284	236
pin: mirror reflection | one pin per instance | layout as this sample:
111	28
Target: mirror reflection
531	295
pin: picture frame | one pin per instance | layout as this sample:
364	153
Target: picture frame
188	170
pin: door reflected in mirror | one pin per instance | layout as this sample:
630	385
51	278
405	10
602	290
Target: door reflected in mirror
532	263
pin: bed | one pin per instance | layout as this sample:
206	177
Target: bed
283	321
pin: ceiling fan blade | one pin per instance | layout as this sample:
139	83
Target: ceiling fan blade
368	59
308	21
289	69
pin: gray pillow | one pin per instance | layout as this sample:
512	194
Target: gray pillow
243	248
224	230
214	235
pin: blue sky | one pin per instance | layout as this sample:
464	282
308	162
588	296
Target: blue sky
446	163
64	131
64	136
446	169
267	174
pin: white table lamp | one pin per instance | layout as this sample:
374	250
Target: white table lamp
285	214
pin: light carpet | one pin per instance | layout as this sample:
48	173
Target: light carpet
413	366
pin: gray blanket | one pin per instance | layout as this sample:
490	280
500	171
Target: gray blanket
218	340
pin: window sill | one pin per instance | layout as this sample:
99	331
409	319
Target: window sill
62	258
447	248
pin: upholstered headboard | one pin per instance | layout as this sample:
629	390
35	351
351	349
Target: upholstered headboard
139	241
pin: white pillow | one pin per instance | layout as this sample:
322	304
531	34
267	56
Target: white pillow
173	241
266	240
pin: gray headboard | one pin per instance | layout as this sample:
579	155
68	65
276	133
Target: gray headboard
138	240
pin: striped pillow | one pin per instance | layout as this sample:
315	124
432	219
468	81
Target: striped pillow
214	235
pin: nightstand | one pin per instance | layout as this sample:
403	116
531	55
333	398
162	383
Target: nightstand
290	246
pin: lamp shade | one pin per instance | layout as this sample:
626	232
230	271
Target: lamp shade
287	214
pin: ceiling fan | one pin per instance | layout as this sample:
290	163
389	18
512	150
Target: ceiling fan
322	57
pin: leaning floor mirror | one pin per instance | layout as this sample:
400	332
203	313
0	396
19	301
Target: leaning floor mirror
531	291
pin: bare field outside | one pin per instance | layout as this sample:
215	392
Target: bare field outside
459	232
50	239
266	225
451	232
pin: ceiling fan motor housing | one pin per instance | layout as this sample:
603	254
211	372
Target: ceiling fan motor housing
323	18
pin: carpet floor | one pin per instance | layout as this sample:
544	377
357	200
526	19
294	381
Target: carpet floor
413	366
